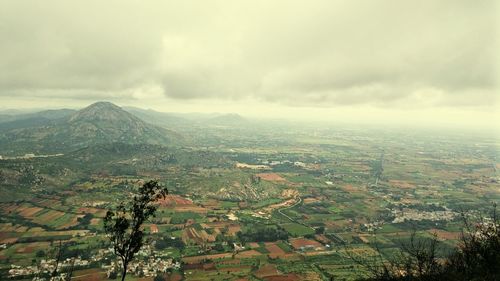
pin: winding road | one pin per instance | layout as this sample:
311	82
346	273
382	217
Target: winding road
288	217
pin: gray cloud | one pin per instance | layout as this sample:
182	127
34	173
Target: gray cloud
315	53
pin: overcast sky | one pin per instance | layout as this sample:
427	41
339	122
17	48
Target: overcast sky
387	61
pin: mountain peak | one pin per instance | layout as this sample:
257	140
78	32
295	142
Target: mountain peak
98	123
106	122
228	119
102	111
103	104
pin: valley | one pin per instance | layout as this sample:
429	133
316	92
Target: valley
249	200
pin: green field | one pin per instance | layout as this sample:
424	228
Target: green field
296	229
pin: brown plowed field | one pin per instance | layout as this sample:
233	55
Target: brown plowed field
248	254
197	259
275	251
267	270
271	177
297	243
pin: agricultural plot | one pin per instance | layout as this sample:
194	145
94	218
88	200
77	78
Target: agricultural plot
296	229
318	197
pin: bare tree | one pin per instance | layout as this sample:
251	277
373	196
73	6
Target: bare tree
478	252
124	225
416	260
376	266
69	271
57	256
477	256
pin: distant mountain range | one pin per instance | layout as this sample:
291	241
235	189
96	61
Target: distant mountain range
231	119
62	130
182	119
158	118
40	116
163	119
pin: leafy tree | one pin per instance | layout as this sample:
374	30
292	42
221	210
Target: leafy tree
160	277
320	230
124	225
262	233
166	242
85	220
219	247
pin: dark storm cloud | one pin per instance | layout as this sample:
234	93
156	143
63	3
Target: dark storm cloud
316	53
